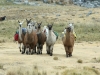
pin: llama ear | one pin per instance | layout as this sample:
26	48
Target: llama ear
30	19
18	21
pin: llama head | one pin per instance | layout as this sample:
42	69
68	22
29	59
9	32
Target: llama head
39	25
68	29
71	25
50	26
30	27
20	23
33	25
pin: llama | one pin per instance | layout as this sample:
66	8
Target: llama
21	34
41	38
30	39
68	42
72	29
34	28
50	40
2	18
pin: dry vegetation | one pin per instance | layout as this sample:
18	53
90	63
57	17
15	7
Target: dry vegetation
86	23
86	27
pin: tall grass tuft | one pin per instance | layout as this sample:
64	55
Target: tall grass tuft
81	71
55	58
79	61
1	66
96	60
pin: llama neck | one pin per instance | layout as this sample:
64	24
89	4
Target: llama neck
50	32
20	33
33	28
29	29
39	30
68	35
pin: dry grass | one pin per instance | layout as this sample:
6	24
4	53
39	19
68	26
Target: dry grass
1	66
81	71
75	71
87	28
24	71
96	60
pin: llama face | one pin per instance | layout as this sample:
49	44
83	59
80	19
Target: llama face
20	23
71	25
29	27
39	25
33	25
68	29
50	27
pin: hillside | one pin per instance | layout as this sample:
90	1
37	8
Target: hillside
86	20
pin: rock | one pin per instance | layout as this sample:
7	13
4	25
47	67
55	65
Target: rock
89	13
88	3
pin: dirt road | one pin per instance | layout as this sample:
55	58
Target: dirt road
11	58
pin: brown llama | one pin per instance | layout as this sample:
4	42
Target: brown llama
68	42
30	40
33	27
41	38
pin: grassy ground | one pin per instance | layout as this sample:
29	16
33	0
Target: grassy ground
86	26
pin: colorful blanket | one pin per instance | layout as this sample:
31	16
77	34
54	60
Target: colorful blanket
56	34
17	32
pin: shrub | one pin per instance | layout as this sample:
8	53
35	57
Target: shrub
80	61
55	58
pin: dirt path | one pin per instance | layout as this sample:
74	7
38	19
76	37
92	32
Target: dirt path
10	57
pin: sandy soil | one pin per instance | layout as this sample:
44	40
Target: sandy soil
10	57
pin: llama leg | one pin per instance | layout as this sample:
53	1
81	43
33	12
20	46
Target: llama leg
47	49
35	49
27	50
38	52
23	49
20	47
70	51
31	51
51	50
66	50
41	47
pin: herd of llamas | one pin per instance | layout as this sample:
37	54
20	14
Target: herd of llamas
33	38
